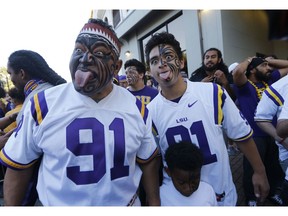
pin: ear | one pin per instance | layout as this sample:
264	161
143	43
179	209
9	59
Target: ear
118	67
182	64
219	60
24	75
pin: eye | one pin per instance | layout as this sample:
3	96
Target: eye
169	57
154	62
99	53
78	51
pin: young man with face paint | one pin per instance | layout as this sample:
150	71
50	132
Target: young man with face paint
184	162
135	72
198	112
94	143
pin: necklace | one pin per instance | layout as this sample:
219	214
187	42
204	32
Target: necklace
259	91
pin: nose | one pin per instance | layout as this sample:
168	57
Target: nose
87	57
162	62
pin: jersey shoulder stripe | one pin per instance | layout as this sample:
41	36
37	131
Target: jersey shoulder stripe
7	161
218	99
39	108
274	96
143	110
245	137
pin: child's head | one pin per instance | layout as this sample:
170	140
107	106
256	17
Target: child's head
184	162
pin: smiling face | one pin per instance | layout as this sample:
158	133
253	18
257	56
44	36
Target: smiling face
165	66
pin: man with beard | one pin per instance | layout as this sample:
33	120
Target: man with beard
248	88
94	142
213	69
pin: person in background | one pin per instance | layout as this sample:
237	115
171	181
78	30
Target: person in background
184	162
30	74
251	77
3	102
135	76
282	131
94	142
17	99
122	81
199	113
214	69
135	72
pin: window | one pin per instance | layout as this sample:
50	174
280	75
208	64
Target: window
116	17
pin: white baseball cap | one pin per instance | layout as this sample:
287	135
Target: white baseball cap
232	67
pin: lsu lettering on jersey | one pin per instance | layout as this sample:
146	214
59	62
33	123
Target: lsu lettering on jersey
202	114
89	149
270	106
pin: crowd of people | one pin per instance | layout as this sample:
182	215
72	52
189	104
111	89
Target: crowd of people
150	137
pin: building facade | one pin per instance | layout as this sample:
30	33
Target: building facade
237	33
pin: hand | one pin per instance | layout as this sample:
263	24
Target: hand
208	79
220	77
261	186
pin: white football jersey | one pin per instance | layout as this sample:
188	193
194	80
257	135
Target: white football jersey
89	149
202	114
203	196
270	106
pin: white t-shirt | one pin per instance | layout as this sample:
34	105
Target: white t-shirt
270	105
202	114
203	196
89	149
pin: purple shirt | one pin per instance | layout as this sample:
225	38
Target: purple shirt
247	101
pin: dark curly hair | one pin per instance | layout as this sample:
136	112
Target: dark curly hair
134	62
35	65
16	94
163	38
185	156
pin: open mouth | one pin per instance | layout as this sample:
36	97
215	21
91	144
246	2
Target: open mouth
83	77
165	75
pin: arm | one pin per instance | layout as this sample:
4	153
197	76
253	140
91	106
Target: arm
259	179
280	64
269	128
282	127
150	180
7	120
15	185
239	77
223	81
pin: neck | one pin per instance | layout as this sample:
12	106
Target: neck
175	91
102	94
137	86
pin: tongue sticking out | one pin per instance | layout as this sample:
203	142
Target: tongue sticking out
165	75
82	78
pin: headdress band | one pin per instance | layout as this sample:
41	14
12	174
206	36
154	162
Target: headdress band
93	28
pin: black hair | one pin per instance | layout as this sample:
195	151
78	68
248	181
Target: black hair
185	156
16	94
134	62
35	65
163	38
2	92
